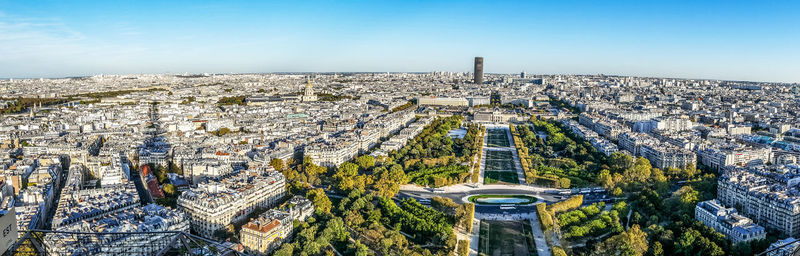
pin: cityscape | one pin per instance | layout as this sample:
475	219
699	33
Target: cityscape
472	161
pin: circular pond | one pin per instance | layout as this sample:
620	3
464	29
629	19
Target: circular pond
502	199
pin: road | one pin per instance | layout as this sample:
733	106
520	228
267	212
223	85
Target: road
144	194
459	193
456	192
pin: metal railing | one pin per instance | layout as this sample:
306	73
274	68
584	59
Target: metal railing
48	242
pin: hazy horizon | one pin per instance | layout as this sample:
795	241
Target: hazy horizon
378	72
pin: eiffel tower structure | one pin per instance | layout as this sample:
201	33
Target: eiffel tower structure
156	148
154	129
49	242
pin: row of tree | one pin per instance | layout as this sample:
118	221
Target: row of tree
557	155
232	100
433	142
19	105
439	176
597	222
462	214
426	228
403	107
476	161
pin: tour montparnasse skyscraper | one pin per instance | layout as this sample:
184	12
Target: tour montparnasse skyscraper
478	79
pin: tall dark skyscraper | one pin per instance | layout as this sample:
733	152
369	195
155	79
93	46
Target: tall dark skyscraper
478	79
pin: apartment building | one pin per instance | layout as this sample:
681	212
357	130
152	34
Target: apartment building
215	204
722	157
728	222
785	247
768	198
668	156
267	232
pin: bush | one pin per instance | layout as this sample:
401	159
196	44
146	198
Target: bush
463	247
558	251
544	216
469	215
571	203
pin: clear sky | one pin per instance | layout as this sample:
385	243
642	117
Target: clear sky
737	40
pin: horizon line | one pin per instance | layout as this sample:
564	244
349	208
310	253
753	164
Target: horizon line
392	72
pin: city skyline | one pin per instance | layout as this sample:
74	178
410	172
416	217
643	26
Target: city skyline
419	128
688	40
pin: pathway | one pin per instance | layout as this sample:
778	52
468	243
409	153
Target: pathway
484	149
474	237
538	237
517	164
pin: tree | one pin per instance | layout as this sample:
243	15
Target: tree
617	192
285	250
688	196
705	246
658	175
558	251
360	249
463	248
169	189
348	169
571	203
336	228
344	176
388	182
222	234
690	171
674	172
173	168
564	182
365	162
276	164
312	170
657	249
685	243
605	179
222	131
639	172
620	161
321	202
160	173
632	242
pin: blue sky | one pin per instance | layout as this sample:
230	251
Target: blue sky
737	40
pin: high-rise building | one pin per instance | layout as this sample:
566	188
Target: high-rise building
522	75
478	79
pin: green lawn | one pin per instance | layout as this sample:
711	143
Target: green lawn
512	238
476	199
497	138
490	177
497	161
499	167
